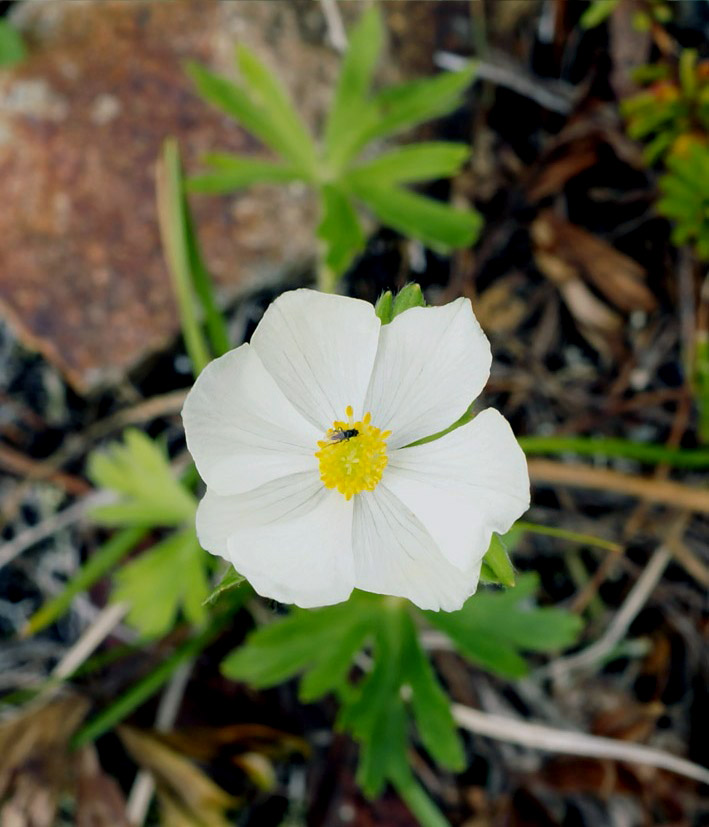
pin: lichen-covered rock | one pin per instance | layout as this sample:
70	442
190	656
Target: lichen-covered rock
82	120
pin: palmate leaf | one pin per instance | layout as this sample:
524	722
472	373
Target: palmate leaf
139	471
398	108
252	115
169	576
322	646
493	628
300	642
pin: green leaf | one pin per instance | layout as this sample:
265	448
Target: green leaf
493	627
376	716
215	323
435	224
168	576
409	104
349	103
285	648
12	47
233	172
597	12
402	107
233	100
179	249
409	164
430	705
499	568
267	92
688	72
339	230
138	469
409	296
331	668
230	581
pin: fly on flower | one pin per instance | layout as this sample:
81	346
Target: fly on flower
305	436
340	436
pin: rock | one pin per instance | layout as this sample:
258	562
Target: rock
82	120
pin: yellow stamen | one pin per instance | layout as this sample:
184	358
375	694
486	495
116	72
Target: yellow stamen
352	464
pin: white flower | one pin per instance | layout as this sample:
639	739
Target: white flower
307	509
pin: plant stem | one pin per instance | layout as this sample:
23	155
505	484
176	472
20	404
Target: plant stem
415	798
571	536
150	684
327	280
649	453
100	562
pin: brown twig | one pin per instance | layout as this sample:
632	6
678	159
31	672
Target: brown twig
576	475
37	469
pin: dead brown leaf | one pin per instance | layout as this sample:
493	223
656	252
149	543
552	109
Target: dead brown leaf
34	760
577	157
99	800
617	276
498	309
188	796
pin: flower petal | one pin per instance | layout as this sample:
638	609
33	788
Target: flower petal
320	350
291	539
394	554
241	430
431	364
464	486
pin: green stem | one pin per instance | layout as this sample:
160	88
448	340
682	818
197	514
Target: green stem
649	453
150	684
416	799
174	239
327	280
100	562
587	446
571	536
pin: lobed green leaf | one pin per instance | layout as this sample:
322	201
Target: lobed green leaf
430	705
138	469
156	584
494	627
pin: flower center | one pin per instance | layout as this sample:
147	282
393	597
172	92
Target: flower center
353	455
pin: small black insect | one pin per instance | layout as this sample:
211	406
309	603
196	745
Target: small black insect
340	435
